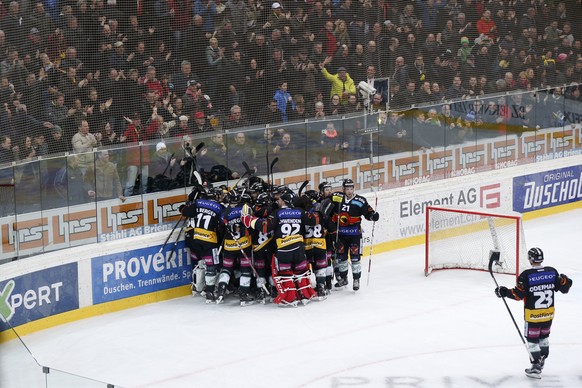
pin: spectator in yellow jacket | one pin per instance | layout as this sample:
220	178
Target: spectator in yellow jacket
341	83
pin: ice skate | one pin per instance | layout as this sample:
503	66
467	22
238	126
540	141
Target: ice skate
246	299
341	283
356	285
535	371
321	292
220	293
210	297
261	296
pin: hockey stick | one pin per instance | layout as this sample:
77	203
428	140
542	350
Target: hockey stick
198	148
271	170
248	260
334	260
177	240
171	233
372	242
374	223
194	168
305	183
247	172
197	175
494	257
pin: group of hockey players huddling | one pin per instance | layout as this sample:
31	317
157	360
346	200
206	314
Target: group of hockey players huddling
265	242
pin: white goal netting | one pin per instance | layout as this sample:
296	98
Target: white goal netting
462	239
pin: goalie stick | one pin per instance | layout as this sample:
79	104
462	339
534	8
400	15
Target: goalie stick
494	257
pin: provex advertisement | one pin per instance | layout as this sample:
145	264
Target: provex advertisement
547	189
140	271
38	295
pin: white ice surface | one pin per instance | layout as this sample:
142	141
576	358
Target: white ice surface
403	330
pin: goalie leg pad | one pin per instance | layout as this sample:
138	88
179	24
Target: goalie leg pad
287	293
304	286
199	275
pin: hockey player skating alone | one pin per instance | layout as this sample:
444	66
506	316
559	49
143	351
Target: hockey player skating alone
349	208
537	288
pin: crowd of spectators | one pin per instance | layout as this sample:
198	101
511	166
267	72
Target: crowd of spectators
75	75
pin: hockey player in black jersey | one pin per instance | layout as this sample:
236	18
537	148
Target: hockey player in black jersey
537	288
315	243
203	235
326	208
263	244
237	239
290	269
349	208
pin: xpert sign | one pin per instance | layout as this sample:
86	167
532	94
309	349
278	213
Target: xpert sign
38	295
140	271
547	189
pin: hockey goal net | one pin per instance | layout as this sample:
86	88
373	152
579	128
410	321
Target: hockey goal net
462	239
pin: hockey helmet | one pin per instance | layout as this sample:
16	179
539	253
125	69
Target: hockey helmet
324	185
245	198
256	179
217	193
348	183
303	202
288	197
279	189
263	199
198	192
234	197
256	187
312	195
535	255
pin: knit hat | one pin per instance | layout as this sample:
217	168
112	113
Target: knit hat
160	146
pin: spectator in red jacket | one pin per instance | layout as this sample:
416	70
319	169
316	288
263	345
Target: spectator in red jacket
486	25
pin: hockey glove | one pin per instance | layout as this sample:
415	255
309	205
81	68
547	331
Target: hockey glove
375	216
501	292
565	284
182	206
248	221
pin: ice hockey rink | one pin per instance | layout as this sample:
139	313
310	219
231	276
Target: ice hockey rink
402	330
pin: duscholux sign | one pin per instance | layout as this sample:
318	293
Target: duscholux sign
547	189
38	295
140	271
